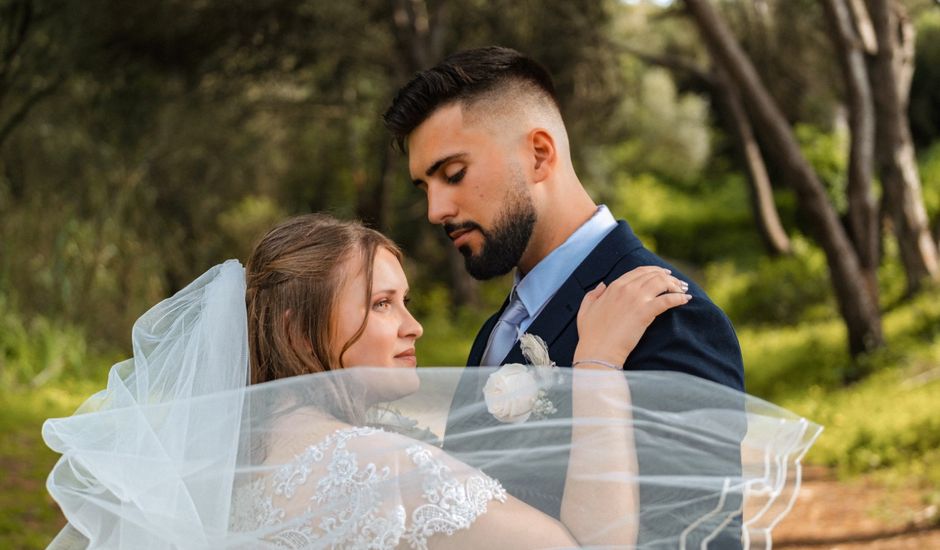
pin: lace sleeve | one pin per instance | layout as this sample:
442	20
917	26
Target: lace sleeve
348	491
451	503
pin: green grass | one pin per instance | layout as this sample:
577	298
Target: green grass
888	424
28	516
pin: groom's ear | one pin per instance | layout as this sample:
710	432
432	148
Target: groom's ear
544	154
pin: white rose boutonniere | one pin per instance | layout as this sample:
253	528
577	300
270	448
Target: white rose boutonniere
510	393
516	392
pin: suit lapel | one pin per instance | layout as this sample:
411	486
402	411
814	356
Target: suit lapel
562	309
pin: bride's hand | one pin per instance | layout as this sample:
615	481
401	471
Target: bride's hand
613	318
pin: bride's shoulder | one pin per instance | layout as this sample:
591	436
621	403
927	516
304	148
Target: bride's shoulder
375	446
367	445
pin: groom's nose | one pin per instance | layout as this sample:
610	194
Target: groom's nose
441	204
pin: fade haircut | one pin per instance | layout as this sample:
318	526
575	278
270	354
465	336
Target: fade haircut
466	77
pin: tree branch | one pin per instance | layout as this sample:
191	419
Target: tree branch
20	114
19	27
863	26
671	62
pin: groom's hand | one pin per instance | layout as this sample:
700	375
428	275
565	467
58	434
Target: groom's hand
613	318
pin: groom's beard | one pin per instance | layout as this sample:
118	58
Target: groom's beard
504	244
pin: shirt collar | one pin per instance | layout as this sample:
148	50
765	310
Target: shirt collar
543	281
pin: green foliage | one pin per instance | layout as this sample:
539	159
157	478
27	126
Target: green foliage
663	133
447	336
827	153
929	165
42	350
885	424
709	222
890	421
248	220
449	332
781	291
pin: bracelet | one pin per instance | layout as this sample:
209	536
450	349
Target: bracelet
598	362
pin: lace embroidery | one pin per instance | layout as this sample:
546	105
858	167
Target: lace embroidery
451	505
361	521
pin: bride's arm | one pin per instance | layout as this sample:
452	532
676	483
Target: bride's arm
610	323
510	524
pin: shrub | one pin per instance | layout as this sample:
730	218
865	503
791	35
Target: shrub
39	350
711	222
778	291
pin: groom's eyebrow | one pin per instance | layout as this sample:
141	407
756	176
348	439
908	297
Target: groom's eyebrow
437	166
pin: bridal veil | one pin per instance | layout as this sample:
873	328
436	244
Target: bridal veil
179	451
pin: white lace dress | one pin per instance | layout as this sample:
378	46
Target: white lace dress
338	494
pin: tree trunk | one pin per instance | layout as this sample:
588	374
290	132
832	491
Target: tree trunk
863	208
734	118
890	74
372	196
420	31
858	308
762	198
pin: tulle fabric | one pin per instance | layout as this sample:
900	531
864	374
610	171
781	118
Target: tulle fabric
179	452
135	455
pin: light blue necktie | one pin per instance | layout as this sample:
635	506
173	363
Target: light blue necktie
506	332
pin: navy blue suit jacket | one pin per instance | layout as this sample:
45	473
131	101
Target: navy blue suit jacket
695	338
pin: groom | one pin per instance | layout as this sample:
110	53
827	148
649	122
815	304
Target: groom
487	145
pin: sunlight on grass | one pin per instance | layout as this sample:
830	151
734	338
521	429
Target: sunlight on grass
28	515
888	424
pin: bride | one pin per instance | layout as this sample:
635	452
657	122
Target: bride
279	406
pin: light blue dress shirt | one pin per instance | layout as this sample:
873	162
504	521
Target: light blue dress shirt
538	286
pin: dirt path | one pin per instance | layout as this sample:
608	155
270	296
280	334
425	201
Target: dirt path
856	515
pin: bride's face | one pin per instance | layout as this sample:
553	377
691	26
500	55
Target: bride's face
391	331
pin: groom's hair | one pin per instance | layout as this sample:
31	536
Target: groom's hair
470	76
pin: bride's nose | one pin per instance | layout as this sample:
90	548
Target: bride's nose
411	328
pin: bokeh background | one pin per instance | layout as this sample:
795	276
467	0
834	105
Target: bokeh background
784	153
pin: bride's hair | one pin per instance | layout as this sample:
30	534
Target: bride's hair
293	278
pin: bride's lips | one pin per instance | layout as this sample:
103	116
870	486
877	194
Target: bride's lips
409	356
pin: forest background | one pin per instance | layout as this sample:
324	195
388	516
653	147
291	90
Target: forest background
784	153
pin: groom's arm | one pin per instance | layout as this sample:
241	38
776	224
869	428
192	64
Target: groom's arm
695	338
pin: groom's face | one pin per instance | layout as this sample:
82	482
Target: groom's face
475	188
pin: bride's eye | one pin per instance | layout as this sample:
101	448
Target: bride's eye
384	303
